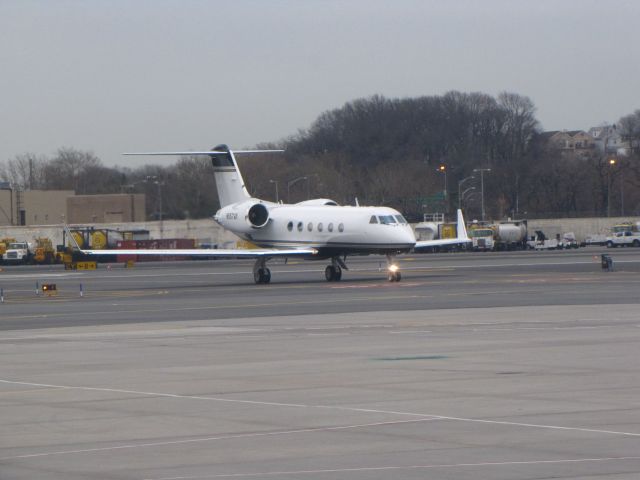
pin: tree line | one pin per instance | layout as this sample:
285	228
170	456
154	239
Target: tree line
414	154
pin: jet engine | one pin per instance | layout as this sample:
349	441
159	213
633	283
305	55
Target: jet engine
258	215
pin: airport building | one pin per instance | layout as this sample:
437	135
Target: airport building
115	208
47	207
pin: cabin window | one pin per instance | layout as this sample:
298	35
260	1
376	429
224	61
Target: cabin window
341	227
373	219
310	226
290	226
300	226
386	219
320	227
330	227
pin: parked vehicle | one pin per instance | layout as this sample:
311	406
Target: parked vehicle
624	239
499	236
17	252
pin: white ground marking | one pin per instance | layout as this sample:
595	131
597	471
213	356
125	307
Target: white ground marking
399	467
326	407
211	439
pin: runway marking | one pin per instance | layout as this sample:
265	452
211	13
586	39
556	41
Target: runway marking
210	439
221	307
325	407
397	467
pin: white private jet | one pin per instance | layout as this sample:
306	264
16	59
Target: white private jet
314	229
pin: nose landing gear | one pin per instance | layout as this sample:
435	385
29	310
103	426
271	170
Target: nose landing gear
394	274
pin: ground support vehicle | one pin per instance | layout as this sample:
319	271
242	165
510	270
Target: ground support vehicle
44	253
539	241
17	252
510	235
624	239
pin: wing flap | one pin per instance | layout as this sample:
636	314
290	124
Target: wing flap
198	252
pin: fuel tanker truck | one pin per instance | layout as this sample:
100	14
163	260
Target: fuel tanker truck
499	236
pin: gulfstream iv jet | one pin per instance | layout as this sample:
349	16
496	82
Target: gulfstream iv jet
314	229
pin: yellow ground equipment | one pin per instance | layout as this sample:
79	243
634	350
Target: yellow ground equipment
4	244
44	251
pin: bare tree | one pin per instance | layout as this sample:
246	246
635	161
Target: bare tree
25	171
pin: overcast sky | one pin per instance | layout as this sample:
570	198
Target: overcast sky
111	76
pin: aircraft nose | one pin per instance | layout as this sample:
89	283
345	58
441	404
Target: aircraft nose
410	236
406	235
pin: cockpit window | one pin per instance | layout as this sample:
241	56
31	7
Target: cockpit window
373	219
386	219
400	219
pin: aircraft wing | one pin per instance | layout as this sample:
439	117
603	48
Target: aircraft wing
461	239
199	252
213	252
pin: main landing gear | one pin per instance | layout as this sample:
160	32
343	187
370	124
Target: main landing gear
333	272
261	274
394	274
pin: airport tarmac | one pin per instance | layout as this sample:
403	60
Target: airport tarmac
474	366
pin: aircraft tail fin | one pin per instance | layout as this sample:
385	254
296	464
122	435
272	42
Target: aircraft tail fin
462	228
229	182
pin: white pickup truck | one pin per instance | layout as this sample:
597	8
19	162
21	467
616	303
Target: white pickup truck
624	239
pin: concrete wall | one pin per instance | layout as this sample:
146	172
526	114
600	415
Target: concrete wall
581	227
41	207
207	231
7	210
203	231
106	208
44	206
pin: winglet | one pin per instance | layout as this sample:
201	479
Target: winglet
462	228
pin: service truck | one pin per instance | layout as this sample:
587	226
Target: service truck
17	252
499	236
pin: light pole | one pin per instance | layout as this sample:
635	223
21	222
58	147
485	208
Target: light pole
157	181
612	163
290	183
465	192
482	170
276	183
442	168
460	182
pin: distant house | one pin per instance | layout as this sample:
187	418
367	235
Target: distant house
608	140
572	143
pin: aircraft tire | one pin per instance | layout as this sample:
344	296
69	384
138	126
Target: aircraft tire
330	273
394	276
262	275
338	274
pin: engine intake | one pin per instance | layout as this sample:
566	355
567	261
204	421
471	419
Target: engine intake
258	215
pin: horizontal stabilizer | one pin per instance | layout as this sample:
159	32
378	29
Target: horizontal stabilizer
461	239
210	152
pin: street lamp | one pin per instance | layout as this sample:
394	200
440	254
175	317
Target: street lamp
460	182
154	179
276	182
442	168
290	183
463	194
612	163
482	170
